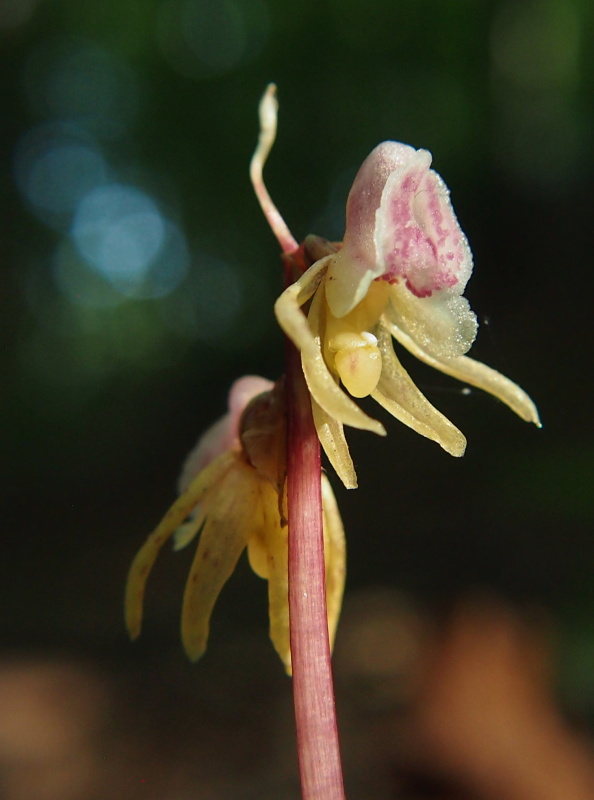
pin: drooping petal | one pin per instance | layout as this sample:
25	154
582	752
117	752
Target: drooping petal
332	438
230	520
276	537
442	325
258	554
476	374
399	395
304	333
335	557
146	556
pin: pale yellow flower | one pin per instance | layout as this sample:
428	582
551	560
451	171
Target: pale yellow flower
233	495
400	274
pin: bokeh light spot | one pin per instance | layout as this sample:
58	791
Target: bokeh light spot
120	232
54	167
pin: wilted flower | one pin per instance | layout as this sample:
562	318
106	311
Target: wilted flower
232	492
400	273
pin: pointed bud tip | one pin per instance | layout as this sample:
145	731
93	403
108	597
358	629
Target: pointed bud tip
194	649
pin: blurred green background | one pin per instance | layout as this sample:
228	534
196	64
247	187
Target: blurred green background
138	275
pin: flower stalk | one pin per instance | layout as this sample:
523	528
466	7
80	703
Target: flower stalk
399	274
313	691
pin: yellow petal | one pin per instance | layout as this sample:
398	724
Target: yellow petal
476	374
146	556
321	383
335	557
258	555
187	532
399	395
300	292
331	436
278	574
231	517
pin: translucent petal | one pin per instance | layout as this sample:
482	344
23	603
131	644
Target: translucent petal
231	519
332	438
146	556
442	324
399	395
335	556
476	374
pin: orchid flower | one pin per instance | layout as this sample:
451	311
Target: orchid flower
232	492
400	274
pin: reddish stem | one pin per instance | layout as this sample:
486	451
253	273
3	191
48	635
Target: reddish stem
313	690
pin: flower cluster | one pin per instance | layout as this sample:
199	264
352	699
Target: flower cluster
232	492
399	273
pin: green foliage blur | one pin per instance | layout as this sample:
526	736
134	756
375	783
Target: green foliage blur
138	275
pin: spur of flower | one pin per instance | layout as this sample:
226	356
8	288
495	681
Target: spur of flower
232	493
399	274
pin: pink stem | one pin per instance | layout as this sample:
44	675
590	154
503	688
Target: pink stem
313	690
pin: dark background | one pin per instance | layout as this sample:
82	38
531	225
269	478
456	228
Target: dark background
110	373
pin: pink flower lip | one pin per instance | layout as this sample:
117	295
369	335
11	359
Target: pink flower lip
401	227
417	235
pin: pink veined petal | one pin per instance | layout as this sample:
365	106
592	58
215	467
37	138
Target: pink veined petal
417	236
353	268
